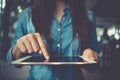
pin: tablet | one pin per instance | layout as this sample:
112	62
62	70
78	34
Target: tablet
54	60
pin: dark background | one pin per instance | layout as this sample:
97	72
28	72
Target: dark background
107	14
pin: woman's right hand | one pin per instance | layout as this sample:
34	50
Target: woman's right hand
28	44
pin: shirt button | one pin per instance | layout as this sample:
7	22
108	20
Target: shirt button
58	29
58	45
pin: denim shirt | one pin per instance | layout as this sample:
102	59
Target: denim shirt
63	43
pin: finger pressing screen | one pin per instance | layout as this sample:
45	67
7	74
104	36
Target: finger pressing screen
42	45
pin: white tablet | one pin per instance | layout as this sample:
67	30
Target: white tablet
54	60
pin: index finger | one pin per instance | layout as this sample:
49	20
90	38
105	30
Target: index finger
42	45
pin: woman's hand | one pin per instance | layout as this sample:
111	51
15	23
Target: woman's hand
28	44
90	54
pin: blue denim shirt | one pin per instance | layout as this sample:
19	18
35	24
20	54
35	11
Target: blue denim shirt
63	43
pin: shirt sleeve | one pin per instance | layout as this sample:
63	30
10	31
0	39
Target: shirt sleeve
20	31
94	42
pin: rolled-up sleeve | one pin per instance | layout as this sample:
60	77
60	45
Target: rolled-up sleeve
20	31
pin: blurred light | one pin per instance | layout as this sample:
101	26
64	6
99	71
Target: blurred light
15	25
1	33
99	32
19	9
111	31
117	36
2	5
117	46
98	38
12	14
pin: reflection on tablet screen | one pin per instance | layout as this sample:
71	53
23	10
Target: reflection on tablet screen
55	59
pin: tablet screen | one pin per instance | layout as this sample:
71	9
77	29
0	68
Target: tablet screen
55	59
